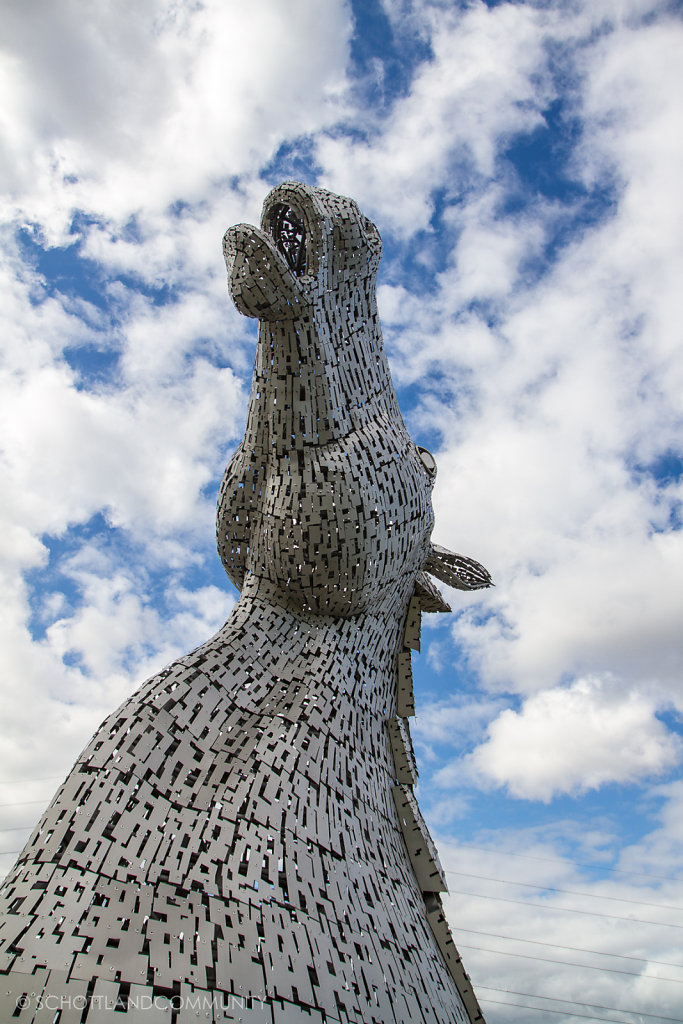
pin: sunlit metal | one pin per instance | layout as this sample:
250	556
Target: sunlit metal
240	840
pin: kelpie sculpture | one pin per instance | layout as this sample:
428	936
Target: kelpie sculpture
240	840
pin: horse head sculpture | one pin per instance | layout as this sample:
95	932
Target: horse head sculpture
327	498
240	839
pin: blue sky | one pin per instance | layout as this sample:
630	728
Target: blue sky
523	164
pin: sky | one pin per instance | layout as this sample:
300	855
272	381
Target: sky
523	162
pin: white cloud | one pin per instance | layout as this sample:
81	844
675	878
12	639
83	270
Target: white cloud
142	450
658	854
549	411
490	248
142	455
37	326
575	940
94	653
485	82
608	599
115	629
571	739
120	109
445	721
547	401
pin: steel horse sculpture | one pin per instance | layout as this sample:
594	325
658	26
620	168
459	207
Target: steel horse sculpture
240	840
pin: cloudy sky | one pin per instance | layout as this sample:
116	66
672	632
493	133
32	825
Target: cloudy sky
523	162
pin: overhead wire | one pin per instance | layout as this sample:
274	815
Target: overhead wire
511	938
25	803
21	782
562	1013
574	1002
567	892
673	1020
526	1006
563	910
555	945
569	963
566	861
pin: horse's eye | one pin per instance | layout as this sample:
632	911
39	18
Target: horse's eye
289	234
428	460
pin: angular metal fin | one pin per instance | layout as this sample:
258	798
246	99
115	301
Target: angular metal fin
457	570
429	595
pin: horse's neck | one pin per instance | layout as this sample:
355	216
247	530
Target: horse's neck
333	658
315	382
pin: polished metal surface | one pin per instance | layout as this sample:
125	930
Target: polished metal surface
240	840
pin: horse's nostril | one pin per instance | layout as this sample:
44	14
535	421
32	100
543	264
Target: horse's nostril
289	234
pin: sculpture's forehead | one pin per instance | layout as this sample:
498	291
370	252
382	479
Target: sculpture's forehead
314	203
330	222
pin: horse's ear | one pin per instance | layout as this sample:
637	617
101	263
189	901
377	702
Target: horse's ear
457	570
429	595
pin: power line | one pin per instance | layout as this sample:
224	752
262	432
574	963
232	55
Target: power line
25	803
567	892
565	861
574	1002
564	910
20	782
545	1009
555	945
568	963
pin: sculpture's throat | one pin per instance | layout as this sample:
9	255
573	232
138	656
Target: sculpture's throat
328	659
325	381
